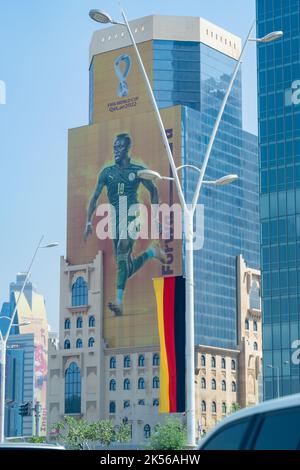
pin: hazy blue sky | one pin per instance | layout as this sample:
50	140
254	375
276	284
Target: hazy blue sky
44	63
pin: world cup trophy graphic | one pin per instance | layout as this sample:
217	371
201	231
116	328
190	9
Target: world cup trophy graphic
123	86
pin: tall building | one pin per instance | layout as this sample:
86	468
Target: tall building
106	364
279	142
27	355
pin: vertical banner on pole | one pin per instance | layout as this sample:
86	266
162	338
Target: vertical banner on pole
170	300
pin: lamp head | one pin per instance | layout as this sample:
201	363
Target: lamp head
226	180
272	36
100	16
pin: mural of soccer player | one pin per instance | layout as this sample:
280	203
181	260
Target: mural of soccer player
122	180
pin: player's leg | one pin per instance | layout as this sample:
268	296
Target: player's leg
154	251
123	268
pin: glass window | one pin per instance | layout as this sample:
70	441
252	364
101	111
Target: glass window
79	293
213	362
223	385
126	384
230	437
279	431
91	342
203	362
126	404
155	360
112	363
141	383
147	431
155	402
213	384
79	343
255	346
233	386
67	344
255	325
233	365
223	363
203	383
224	408
127	362
112	407
91	321
213	407
155	382
247	324
67	324
141	402
203	406
112	385
72	389
141	361
79	322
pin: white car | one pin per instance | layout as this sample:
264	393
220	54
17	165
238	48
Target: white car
271	425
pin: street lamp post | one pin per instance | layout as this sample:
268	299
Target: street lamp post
270	366
4	338
188	211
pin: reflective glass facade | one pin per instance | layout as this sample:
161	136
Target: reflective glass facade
279	139
197	76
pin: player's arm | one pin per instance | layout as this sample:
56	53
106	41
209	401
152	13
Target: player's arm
93	203
150	186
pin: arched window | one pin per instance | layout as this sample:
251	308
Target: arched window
233	386
127	362
246	324
126	384
91	321
112	385
112	363
141	361
255	325
126	404
255	346
213	384
79	343
155	360
203	406
203	383
224	408
147	431
203	361
254	296
233	365
79	293
91	342
112	406
67	324
72	389
141	402
213	361
223	363
155	382
79	322
141	383
156	402
67	344
223	385
213	407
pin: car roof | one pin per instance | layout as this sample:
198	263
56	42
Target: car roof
264	407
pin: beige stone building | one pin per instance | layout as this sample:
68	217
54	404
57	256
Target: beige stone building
122	384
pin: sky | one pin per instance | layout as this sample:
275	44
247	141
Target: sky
44	63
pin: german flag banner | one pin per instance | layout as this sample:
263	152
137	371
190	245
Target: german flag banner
170	300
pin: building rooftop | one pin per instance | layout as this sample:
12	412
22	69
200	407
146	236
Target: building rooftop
163	27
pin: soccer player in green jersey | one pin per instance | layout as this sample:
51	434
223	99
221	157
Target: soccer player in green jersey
122	180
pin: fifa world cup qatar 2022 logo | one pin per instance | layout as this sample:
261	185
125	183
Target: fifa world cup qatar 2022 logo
122	73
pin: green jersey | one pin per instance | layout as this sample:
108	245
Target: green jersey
122	182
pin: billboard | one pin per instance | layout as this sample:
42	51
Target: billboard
103	172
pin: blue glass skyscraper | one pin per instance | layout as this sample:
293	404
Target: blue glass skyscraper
279	141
